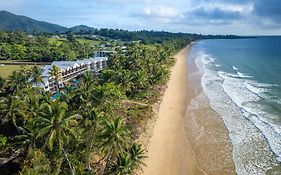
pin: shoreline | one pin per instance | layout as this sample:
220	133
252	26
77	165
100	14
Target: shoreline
169	150
206	130
186	136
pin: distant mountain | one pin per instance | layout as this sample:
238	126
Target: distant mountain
80	28
12	22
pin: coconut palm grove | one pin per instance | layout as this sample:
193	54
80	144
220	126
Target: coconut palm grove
92	129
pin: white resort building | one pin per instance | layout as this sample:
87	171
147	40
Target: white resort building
70	70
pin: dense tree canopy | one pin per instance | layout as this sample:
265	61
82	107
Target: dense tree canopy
147	37
92	129
20	46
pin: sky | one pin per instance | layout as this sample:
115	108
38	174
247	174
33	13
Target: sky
240	17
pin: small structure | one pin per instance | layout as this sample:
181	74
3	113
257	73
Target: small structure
104	53
70	70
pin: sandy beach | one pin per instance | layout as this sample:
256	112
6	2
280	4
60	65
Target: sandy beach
188	137
169	151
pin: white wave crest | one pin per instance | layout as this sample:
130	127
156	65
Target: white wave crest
233	96
234	68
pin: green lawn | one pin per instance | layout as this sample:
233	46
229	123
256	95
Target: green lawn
22	62
59	41
8	61
91	42
6	70
82	41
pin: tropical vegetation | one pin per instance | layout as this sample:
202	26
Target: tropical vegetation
38	48
93	129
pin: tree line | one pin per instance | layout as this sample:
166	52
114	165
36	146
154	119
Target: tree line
90	130
37	47
148	37
20	46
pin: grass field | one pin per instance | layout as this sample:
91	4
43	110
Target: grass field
22	62
6	70
9	61
59	41
91	42
82	41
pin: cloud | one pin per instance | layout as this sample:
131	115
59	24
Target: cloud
212	16
216	14
226	1
160	11
270	9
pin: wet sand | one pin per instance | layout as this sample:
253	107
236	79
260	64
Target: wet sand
209	138
205	130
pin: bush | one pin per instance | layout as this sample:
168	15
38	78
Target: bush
3	141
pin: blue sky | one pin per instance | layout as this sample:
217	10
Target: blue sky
243	17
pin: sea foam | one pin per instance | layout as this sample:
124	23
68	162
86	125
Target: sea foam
234	68
255	142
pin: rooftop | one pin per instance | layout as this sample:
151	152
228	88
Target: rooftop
65	65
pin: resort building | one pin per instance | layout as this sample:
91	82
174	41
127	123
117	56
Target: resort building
69	70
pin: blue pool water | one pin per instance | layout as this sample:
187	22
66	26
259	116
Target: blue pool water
56	96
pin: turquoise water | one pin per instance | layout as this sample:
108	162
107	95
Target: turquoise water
242	79
56	96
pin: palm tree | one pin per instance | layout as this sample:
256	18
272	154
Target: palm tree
35	75
122	166
125	80
57	126
91	121
55	74
33	105
114	137
137	154
2	83
25	71
16	81
27	136
12	110
106	96
141	79
128	161
85	93
46	97
88	77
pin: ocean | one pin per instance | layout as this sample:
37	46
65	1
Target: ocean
242	80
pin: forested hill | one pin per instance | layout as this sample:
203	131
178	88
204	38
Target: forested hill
12	22
80	28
